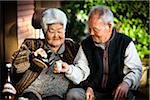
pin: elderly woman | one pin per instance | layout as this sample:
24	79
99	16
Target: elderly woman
35	74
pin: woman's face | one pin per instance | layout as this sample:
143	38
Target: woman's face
55	35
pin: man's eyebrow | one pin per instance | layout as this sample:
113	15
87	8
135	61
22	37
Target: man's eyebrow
95	27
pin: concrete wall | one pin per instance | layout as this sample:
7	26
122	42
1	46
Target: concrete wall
25	11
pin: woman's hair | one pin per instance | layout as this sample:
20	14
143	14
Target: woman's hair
104	13
51	16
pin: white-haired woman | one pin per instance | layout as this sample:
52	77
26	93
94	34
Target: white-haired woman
37	80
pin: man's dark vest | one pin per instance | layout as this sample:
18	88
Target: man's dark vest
33	71
116	52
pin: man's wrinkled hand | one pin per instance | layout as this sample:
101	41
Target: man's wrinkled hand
90	94
121	92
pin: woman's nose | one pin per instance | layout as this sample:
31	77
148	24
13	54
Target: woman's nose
56	34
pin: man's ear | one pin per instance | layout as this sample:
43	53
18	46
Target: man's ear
110	27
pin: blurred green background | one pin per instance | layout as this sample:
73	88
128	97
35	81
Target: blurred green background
130	18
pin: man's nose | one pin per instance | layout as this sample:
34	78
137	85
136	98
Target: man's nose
91	32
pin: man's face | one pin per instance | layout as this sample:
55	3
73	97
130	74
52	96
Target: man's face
97	29
55	34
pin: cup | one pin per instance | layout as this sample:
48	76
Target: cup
59	65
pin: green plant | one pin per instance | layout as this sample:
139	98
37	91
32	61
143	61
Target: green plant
130	17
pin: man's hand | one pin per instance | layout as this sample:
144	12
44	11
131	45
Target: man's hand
89	94
40	52
121	91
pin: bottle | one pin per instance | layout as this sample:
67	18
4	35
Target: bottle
9	91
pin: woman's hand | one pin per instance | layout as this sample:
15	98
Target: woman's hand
90	94
64	69
40	52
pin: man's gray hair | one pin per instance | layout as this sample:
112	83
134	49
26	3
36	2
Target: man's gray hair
105	14
51	16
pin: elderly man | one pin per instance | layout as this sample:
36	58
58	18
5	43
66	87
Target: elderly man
35	74
115	67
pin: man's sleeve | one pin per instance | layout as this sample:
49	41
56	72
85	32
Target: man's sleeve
133	67
80	70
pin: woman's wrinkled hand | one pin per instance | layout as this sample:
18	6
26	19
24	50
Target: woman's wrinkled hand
64	69
40	52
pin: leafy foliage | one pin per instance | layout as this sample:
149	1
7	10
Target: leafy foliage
130	17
